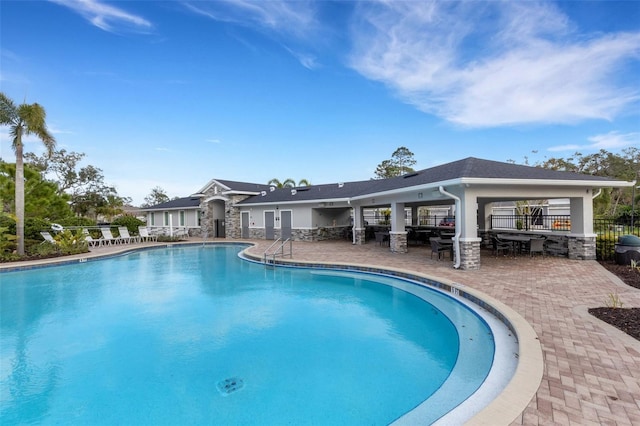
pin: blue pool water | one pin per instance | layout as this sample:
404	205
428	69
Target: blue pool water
195	335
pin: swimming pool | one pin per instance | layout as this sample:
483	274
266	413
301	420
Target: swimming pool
195	335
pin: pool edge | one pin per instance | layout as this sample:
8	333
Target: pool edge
504	409
526	380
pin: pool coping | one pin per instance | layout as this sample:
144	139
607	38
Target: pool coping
504	409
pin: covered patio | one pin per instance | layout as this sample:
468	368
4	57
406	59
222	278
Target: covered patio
473	185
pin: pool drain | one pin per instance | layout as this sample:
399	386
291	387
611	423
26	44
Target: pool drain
230	385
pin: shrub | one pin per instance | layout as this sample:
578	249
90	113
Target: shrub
7	244
131	222
8	222
69	243
45	249
33	226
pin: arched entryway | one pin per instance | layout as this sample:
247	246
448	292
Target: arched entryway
213	223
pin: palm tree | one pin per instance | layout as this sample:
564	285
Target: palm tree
24	119
288	183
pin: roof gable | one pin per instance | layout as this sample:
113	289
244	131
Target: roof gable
234	186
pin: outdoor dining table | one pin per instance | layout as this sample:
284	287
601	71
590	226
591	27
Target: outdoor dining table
515	240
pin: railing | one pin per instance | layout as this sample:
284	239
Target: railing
608	231
279	251
525	222
422	220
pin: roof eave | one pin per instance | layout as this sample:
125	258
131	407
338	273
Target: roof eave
291	202
547	182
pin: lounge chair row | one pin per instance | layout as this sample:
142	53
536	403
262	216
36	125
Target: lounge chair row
107	237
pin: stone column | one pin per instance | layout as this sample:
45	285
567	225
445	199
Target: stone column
360	237
582	247
398	242
232	217
470	253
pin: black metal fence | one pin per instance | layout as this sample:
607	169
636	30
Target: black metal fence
525	222
381	219
608	231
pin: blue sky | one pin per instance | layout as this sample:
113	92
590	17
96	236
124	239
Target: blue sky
175	93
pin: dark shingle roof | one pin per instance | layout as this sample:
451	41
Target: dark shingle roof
466	168
185	202
243	186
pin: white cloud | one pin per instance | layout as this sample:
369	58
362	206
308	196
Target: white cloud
162	149
291	20
106	17
609	141
216	141
483	64
307	60
614	140
285	17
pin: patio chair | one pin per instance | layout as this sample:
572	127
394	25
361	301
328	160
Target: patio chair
536	245
145	235
126	237
181	233
381	237
90	240
499	245
48	238
108	237
438	248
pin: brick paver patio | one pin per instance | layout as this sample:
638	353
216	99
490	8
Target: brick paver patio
591	370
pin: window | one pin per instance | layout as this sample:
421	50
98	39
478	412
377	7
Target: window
166	219
181	218
152	219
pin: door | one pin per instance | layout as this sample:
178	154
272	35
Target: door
269	220
244	223
219	227
285	224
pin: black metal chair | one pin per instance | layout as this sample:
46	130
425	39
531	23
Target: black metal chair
382	237
536	245
439	248
499	245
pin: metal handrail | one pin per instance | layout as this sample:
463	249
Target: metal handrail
279	250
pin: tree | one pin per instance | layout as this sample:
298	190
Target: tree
287	183
42	199
157	196
90	195
60	164
625	166
23	120
399	164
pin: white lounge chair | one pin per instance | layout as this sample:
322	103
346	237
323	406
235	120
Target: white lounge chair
145	235
48	238
108	237
125	236
90	240
181	233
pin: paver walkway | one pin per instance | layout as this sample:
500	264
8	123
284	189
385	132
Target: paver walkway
591	370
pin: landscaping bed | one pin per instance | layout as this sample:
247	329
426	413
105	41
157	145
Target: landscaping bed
625	319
